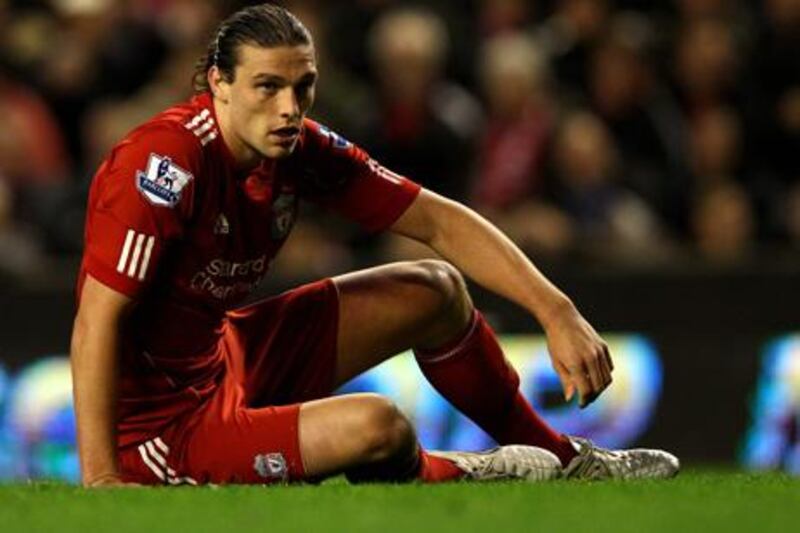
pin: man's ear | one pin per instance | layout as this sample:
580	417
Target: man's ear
220	88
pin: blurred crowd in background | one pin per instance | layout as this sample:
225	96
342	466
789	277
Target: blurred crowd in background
592	131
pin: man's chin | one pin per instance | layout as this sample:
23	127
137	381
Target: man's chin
278	151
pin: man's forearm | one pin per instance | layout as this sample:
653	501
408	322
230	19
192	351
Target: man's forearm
94	361
488	257
483	253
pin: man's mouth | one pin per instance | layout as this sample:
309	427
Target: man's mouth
286	133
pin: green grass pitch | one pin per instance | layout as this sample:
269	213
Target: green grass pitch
695	501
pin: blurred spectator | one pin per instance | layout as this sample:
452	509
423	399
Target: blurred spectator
774	113
695	107
568	37
68	72
521	113
343	100
723	217
351	23
706	65
426	125
715	147
107	121
645	121
723	224
98	49
501	16
32	152
699	9
20	255
25	39
34	166
611	220
509	182
185	27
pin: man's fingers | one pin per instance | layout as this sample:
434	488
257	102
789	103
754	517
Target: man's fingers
569	390
588	400
597	376
580	377
605	364
589	376
609	360
566	382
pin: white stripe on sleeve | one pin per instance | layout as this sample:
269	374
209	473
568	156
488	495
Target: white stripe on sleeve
126	248
148	249
137	251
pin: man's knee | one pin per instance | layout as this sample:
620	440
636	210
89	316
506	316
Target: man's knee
446	282
384	431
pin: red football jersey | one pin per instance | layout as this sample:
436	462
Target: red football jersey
171	224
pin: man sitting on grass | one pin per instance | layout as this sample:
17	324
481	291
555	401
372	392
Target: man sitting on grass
176	384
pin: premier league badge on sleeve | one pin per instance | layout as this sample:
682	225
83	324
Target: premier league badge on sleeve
336	140
162	182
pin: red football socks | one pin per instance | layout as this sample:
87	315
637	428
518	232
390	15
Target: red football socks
474	375
434	469
419	465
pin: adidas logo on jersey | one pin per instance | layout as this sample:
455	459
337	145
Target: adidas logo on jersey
134	259
221	226
383	172
202	125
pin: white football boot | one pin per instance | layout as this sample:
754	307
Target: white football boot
598	463
527	463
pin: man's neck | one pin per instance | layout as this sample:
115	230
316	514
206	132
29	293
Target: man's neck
245	158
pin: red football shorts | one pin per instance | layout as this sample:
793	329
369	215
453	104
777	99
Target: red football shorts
280	352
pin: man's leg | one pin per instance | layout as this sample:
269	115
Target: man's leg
363	436
282	358
282	354
366	437
424	305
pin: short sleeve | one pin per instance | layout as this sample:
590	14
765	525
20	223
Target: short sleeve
340	176
139	202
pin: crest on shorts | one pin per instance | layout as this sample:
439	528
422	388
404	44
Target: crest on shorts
162	182
284	211
271	466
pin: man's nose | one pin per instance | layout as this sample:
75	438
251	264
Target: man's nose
288	104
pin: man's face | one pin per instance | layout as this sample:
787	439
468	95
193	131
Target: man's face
272	90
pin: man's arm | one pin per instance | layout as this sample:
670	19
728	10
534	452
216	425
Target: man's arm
95	363
486	255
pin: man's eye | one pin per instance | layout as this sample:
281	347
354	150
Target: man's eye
268	87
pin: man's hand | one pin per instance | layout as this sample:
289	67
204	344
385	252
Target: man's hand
107	481
579	356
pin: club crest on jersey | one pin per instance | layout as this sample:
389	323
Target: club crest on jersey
162	182
336	140
221	225
271	466
284	211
